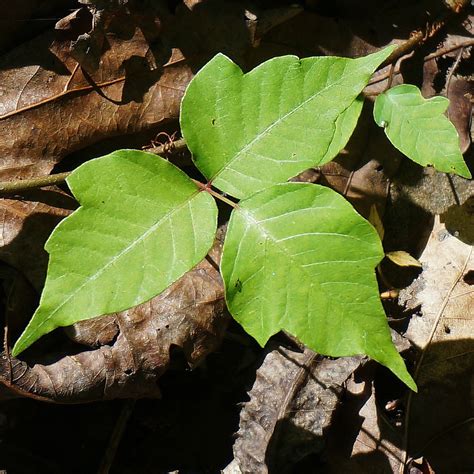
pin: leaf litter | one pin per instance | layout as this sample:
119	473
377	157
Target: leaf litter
117	355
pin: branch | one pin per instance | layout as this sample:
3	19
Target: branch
12	187
420	36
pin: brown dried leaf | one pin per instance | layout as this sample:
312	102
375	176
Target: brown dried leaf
291	405
132	348
440	419
461	95
360	440
43	119
27	222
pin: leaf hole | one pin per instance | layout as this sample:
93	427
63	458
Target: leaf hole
469	277
213	121
379	168
127	371
167	326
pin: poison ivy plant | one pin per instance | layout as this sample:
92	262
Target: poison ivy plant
297	257
419	128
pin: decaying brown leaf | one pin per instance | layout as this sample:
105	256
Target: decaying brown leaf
441	415
361	441
27	221
291	405
129	351
51	107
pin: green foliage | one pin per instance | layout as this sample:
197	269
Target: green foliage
419	128
280	117
141	225
298	257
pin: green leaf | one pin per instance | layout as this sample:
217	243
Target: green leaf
419	129
344	126
142	224
250	131
298	257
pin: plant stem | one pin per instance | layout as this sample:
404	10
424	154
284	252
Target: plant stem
207	188
12	187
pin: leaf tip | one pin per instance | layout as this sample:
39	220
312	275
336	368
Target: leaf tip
20	346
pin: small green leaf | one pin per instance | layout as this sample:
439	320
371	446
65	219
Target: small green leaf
142	224
250	131
345	124
298	257
419	129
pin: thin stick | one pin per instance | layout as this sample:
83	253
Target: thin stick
419	37
207	188
114	442
12	187
436	54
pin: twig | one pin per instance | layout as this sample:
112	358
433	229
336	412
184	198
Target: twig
420	36
429	57
452	72
11	187
65	93
114	442
60	96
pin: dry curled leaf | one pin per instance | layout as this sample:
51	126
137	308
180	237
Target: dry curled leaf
130	350
291	405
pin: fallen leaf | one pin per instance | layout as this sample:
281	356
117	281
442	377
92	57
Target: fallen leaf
403	259
440	418
291	406
51	108
136	348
